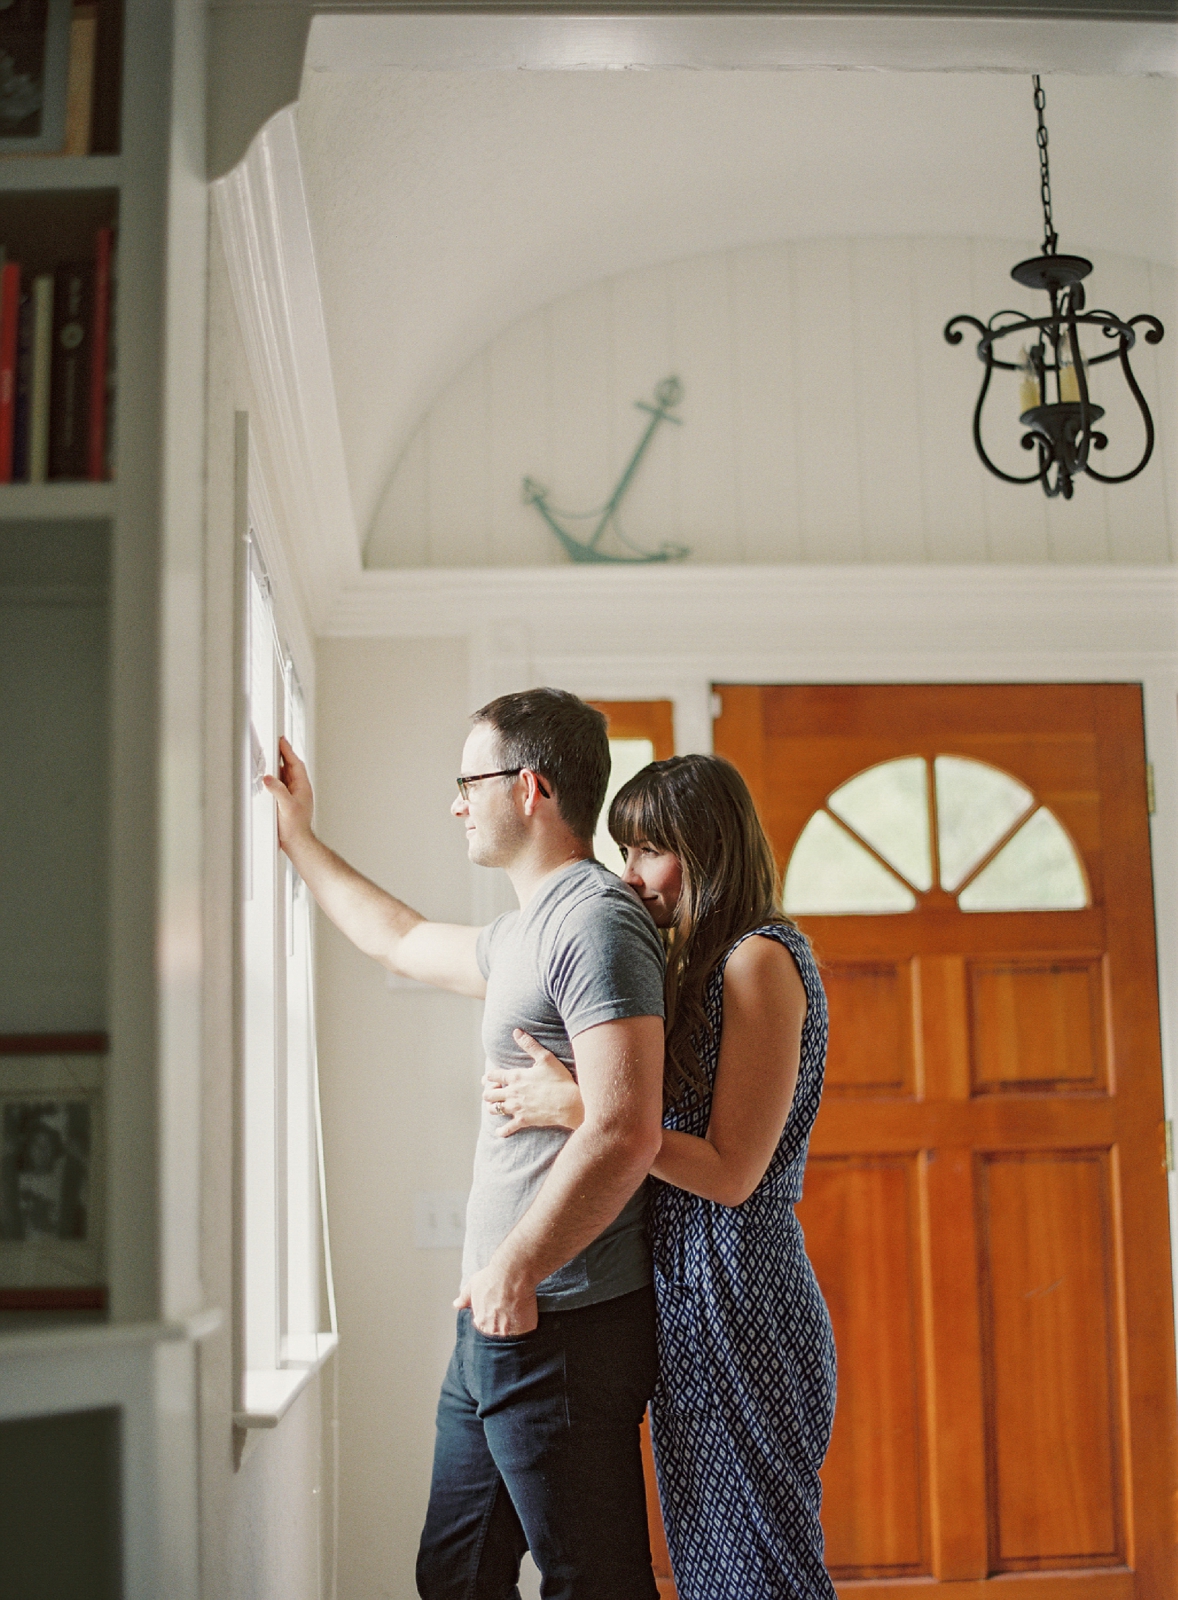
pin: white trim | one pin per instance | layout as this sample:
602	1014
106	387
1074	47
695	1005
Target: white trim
265	229
269	1395
291	617
783	624
765	41
1161	742
148	1372
47	1343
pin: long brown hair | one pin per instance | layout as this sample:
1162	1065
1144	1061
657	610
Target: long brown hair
700	809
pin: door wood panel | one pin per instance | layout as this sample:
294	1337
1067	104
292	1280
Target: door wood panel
1050	1360
872	1037
862	1228
1037	1026
1007	1418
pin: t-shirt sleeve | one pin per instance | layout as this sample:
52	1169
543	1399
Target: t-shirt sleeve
485	944
606	963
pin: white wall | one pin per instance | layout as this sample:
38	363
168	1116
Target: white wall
825	418
275	1534
399	1072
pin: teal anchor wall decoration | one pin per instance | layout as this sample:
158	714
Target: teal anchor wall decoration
666	396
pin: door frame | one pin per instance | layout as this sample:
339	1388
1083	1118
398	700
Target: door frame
652	633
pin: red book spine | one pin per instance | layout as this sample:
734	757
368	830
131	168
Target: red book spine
9	319
96	449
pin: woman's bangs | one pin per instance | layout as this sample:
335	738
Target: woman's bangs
633	816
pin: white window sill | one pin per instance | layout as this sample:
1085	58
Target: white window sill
269	1395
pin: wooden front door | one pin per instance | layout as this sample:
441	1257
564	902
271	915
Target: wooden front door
985	1201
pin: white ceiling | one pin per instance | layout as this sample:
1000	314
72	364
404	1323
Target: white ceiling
446	204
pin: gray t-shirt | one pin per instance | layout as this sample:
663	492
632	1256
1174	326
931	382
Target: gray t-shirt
583	951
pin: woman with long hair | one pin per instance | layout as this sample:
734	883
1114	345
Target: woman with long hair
741	1416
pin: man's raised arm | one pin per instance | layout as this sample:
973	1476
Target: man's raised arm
375	921
620	1075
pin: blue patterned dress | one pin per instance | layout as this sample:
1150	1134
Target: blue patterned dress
742	1413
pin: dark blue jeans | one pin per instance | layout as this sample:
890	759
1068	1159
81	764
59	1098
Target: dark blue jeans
537	1449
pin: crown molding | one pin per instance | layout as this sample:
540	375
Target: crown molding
259	49
939	36
805	622
299	452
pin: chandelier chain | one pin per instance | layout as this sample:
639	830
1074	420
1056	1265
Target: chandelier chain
1049	234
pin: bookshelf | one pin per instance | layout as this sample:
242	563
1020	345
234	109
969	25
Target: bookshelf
106	665
57	605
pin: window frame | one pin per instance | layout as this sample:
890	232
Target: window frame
285	1326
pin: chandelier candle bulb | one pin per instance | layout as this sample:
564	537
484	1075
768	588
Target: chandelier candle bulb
1069	383
1028	385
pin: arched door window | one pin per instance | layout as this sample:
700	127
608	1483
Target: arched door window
888	834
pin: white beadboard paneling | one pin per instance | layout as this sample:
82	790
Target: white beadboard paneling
642	356
948	377
1137	512
703	348
887	401
520	418
457	476
828	426
580	383
825	418
400	534
765	405
1016	515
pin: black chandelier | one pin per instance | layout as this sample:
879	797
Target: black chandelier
1056	408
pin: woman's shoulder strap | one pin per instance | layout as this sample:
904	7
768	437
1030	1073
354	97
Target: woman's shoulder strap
786	933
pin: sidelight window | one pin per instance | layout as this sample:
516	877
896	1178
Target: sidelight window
286	1278
888	834
627	759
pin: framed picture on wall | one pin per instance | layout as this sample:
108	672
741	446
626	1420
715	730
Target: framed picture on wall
51	1189
34	69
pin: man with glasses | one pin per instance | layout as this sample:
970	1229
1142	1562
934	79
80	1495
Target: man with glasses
537	1436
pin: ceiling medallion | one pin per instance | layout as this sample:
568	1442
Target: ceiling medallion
1055	405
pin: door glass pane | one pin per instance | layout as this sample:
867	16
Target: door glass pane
830	874
888	806
976	804
1037	871
627	757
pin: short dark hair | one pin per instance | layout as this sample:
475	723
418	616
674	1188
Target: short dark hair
561	738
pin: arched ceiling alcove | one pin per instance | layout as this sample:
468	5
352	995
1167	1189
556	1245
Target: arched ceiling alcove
446	205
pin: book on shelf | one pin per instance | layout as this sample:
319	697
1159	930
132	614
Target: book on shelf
41	356
69	384
96	415
9	328
79	94
24	376
57	369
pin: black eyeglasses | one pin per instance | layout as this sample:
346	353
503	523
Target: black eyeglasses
506	772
